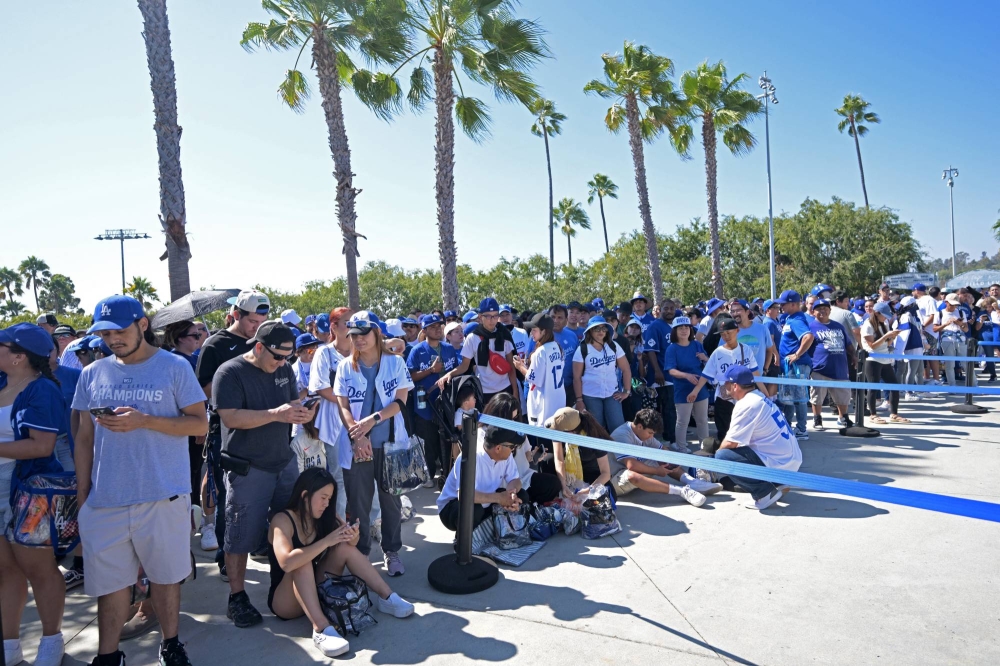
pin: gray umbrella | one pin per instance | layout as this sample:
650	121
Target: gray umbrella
195	304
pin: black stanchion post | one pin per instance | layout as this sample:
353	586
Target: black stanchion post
968	407
460	572
859	429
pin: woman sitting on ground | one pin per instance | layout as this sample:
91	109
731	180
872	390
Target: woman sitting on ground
596	469
308	540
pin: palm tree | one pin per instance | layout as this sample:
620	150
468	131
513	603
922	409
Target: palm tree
333	28
548	122
10	280
571	214
601	186
855	112
11	308
173	213
723	108
645	102
482	39
996	229
143	291
35	273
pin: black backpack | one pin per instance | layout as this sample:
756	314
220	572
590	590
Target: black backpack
446	404
583	352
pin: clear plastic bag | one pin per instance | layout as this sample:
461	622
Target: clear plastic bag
405	508
571	508
598	514
403	466
789	394
346	604
548	522
45	512
513	527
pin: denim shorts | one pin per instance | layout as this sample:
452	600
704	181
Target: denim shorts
251	500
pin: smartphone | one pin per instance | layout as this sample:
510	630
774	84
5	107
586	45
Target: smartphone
103	411
309	402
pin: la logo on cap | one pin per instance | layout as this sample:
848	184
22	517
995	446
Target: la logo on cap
105	310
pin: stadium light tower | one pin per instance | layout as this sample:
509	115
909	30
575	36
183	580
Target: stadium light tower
769	96
949	175
122	235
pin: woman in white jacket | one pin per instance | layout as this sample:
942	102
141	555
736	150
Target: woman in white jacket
371	389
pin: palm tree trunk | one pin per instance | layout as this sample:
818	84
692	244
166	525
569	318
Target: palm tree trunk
329	87
648	230
552	230
712	190
444	171
34	288
857	147
569	246
173	214
604	223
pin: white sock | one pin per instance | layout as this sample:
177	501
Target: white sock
674	490
687	478
11	643
54	638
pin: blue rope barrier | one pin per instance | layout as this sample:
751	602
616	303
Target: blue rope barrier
913	498
908	357
916	388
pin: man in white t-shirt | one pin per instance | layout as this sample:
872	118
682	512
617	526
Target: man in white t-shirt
491	348
758	435
927	312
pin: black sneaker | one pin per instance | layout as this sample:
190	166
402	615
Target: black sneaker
818	423
223	574
242	612
174	655
120	662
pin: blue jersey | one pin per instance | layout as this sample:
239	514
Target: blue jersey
422	357
39	406
656	339
568	342
794	328
645	320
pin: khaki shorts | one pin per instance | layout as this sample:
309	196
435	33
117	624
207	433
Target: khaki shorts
117	540
621	483
817	394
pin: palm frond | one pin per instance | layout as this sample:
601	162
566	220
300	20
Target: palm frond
379	91
420	89
345	68
739	140
511	85
843	124
871	117
861	130
598	88
473	117
681	139
615	118
294	90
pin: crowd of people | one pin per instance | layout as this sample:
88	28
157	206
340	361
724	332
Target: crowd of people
268	437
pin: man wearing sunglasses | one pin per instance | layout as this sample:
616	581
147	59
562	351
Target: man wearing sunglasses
256	397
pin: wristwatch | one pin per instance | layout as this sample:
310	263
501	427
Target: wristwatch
377	417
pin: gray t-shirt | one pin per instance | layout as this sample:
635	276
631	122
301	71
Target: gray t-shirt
846	319
239	384
142	465
378	435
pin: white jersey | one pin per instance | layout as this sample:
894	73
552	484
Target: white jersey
722	359
927	307
546	390
759	424
322	370
308	452
600	376
302	375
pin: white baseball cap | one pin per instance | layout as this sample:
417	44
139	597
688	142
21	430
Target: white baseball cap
290	317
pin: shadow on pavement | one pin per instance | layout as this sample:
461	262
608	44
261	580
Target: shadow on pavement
822	506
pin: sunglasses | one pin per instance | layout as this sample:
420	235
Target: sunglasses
361	325
288	358
192	335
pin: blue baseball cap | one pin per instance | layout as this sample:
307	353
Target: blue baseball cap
469	316
789	296
115	313
920	286
489	304
309	319
757	300
408	321
506	307
28	337
859	306
323	323
713	305
470	327
80	344
820	288
884	309
450	313
820	301
305	340
429	320
768	304
97	344
741	301
739	374
598	303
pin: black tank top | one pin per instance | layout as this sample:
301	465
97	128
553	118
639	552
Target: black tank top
277	573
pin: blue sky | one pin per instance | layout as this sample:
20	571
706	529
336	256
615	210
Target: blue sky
78	150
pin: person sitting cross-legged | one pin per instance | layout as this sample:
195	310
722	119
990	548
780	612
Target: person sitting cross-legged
758	435
306	541
629	472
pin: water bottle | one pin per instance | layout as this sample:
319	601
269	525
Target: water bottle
421	398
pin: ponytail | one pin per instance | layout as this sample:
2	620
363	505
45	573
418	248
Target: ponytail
37	363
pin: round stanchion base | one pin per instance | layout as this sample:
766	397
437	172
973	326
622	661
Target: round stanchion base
446	575
969	409
859	431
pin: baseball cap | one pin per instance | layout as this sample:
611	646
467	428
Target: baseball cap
742	302
820	301
29	337
80	344
408	321
47	318
637	296
566	419
323	323
251	300
681	321
609	315
757	300
575	305
115	313
394	328
820	288
273	334
489	304
290	317
540	320
450	313
452	325
63	330
884	285
907	301
858	305
729	325
305	340
429	320
470	327
920	286
883	309
769	303
97	344
739	374
506	307
362	322
469	316
713	305
952	299
598	303
789	296
309	319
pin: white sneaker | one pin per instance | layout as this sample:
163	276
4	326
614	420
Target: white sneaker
765	502
330	643
429	483
208	539
395	606
884	407
704	487
50	650
12	652
692	496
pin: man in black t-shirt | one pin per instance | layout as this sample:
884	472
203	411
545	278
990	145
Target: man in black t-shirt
250	310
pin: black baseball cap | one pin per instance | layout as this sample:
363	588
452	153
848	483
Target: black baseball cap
273	334
540	320
729	325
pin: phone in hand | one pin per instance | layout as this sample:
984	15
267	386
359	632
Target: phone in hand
310	401
103	411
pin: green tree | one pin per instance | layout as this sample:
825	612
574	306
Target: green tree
723	108
601	186
645	102
491	47
570	214
11	308
173	213
334	29
548	122
855	113
59	295
35	273
996	229
143	291
11	282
